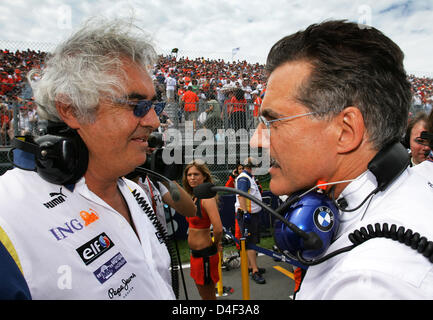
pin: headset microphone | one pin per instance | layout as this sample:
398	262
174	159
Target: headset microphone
310	240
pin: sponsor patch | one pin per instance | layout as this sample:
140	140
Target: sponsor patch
323	218
94	248
108	269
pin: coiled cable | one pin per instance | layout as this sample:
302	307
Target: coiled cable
400	234
162	236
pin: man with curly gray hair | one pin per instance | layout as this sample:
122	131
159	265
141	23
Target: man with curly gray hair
90	236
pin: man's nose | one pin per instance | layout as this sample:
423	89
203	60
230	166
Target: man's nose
260	138
150	120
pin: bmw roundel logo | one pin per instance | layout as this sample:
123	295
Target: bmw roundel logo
323	218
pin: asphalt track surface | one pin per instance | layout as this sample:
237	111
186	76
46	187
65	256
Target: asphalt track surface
279	282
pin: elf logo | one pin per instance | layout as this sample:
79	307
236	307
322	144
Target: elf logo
94	248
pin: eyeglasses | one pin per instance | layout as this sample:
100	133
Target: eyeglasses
142	107
267	123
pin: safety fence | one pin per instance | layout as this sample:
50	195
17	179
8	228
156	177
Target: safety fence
215	83
226	129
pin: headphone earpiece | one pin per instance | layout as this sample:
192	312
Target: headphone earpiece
60	158
314	213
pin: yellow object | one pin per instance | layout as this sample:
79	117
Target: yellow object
284	271
244	272
7	243
220	282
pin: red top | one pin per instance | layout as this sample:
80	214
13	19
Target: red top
190	99
231	182
257	104
238	105
198	222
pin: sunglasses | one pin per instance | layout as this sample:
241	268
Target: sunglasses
142	107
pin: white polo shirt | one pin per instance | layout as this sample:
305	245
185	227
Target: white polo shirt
380	268
73	245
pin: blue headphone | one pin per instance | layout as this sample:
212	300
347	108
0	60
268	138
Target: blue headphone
318	214
314	213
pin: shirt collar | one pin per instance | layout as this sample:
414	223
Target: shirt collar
354	194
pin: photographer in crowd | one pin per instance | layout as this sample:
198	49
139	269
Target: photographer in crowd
418	151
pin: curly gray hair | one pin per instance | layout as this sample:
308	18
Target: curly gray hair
87	65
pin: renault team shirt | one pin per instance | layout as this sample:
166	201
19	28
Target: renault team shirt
68	243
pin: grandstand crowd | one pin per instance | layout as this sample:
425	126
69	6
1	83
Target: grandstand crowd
236	87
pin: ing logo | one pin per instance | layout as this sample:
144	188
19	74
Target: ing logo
74	225
87	217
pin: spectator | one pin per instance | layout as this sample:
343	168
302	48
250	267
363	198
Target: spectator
190	106
418	152
213	111
170	82
257	102
26	120
221	95
204	248
233	175
237	119
4	114
248	214
165	122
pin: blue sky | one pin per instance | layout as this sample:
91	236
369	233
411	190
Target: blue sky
213	28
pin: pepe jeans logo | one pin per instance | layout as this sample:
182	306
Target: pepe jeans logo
59	198
123	289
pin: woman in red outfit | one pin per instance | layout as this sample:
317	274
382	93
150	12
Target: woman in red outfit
204	250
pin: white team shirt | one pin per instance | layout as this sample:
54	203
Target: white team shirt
380	268
73	245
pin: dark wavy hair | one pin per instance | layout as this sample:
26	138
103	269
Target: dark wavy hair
352	65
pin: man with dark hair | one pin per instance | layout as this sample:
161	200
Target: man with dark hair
338	98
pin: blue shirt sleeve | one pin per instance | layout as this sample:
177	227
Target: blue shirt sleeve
13	286
243	184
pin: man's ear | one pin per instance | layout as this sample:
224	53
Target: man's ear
351	129
67	114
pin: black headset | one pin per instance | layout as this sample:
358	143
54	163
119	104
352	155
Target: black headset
61	156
